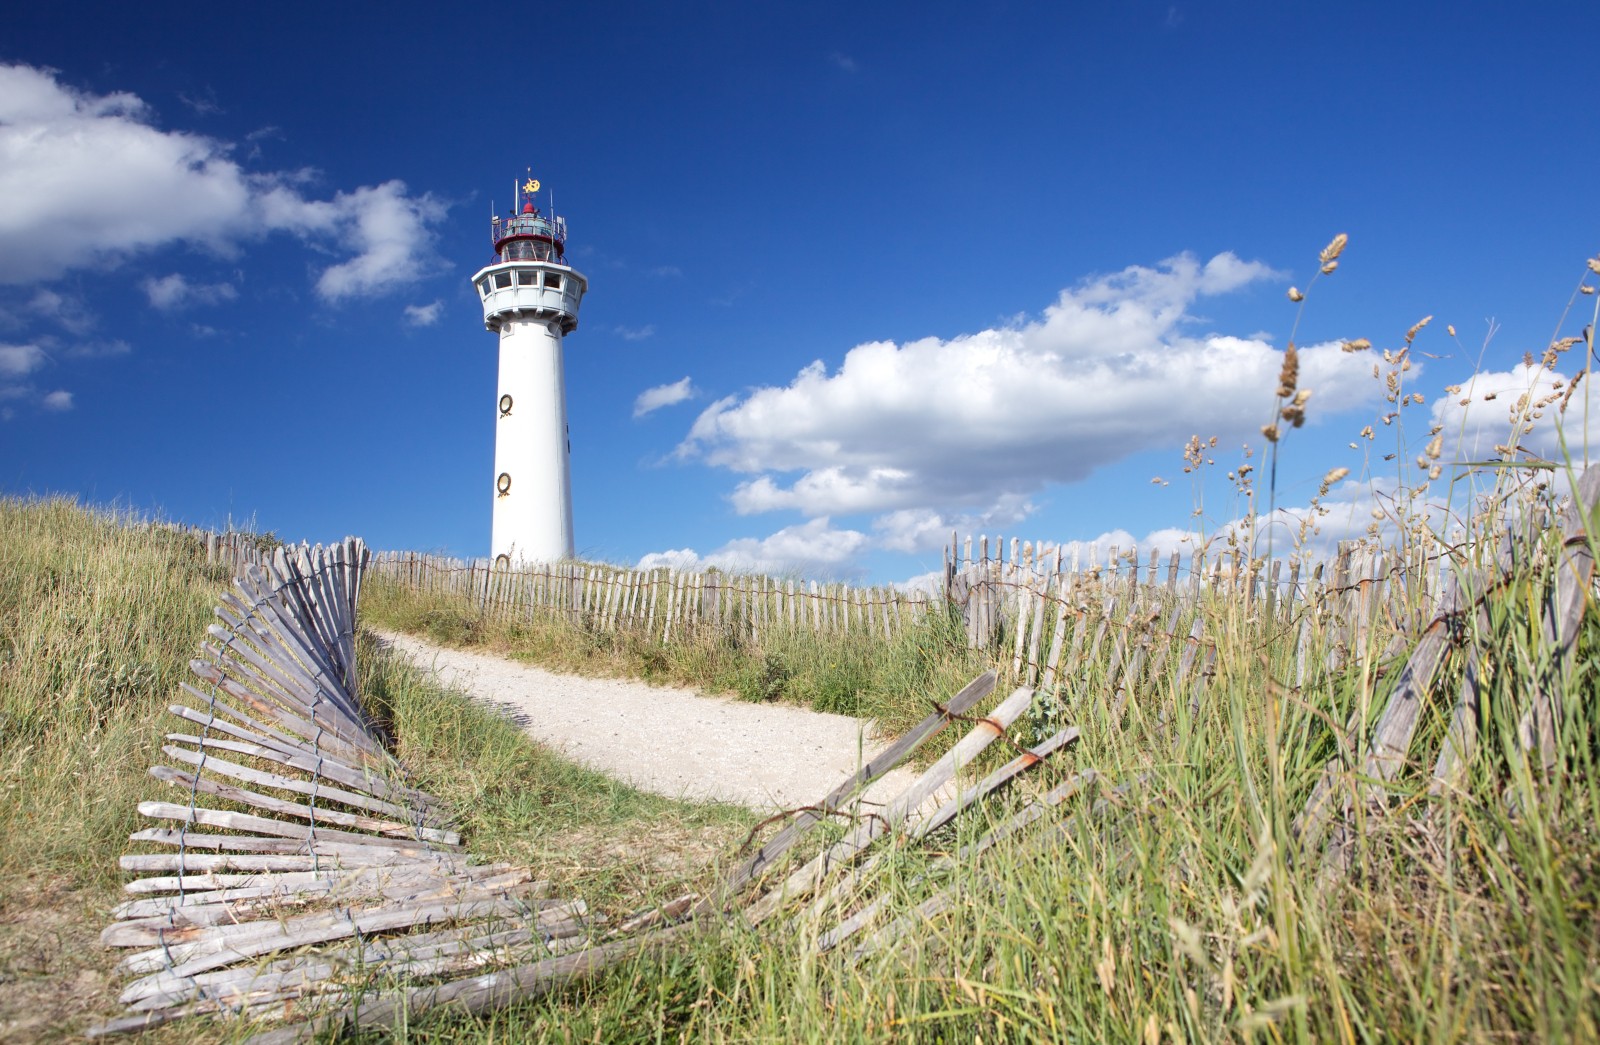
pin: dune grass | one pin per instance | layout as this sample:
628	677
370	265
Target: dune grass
858	673
1170	902
1173	903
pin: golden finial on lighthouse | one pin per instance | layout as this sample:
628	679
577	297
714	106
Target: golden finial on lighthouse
532	186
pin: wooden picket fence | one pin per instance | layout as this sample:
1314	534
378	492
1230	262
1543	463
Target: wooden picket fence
664	602
1046	617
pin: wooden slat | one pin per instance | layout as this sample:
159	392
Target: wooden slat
805	879
874	768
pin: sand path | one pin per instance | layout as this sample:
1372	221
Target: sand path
673	742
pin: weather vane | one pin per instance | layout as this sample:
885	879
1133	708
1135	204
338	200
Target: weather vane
532	186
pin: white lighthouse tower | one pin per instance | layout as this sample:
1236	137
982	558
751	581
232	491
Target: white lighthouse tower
530	299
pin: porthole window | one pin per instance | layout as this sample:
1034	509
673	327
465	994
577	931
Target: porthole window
505	406
503	484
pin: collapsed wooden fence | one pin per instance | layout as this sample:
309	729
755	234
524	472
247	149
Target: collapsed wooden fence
293	827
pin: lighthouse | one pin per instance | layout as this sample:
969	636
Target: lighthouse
530	301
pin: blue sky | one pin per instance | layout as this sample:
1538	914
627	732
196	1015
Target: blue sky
924	267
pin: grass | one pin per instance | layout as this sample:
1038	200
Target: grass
856	674
1181	911
1184	910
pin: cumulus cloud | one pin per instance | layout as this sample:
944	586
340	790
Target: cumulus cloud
173	292
20	360
424	315
57	401
96	164
652	399
812	549
1526	399
920	529
393	233
974	422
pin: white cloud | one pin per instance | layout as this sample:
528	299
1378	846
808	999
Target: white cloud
173	292
205	105
20	360
925	529
98	349
58	401
810	549
652	399
95	165
424	315
1527	399
393	232
68	312
966	425
635	333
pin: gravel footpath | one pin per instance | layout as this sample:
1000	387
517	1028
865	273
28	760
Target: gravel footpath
670	741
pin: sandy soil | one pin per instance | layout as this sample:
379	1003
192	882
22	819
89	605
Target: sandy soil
673	742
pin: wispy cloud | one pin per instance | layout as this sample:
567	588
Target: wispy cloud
106	349
57	401
843	61
653	399
635	333
666	271
203	105
174	292
66	311
424	315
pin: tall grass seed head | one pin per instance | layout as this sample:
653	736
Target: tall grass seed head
1335	247
1290	374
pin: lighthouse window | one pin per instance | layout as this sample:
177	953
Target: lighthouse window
502	280
552	280
528	279
483	287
